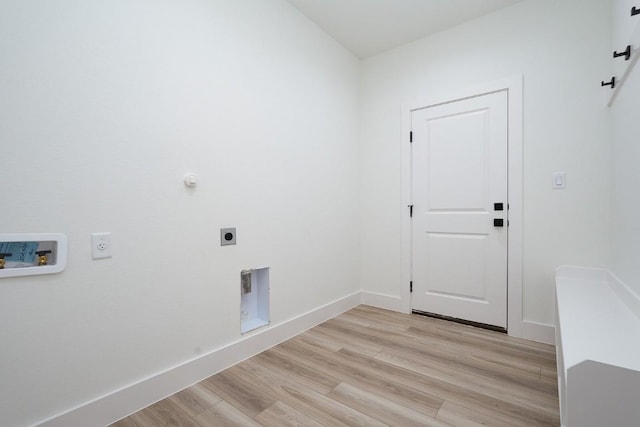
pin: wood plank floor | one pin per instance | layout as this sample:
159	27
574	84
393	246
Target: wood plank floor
372	367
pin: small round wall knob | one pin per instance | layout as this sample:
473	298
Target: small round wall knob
190	181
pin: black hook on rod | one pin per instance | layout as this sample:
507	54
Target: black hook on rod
635	11
611	83
626	53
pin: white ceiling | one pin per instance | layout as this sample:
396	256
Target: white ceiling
368	27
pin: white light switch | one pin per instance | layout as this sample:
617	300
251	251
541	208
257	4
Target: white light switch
559	180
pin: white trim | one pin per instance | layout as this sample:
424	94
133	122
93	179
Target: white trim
539	332
116	405
514	87
388	302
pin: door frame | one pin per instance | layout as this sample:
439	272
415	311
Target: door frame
514	87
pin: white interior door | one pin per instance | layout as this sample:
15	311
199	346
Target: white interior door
459	180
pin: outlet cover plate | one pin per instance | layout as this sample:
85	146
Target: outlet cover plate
101	245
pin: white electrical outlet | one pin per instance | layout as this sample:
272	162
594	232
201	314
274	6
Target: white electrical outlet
101	245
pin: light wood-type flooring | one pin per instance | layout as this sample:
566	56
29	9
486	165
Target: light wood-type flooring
373	367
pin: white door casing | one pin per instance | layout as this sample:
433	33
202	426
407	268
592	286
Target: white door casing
459	171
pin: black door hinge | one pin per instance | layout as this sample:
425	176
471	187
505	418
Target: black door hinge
410	211
411	136
411	286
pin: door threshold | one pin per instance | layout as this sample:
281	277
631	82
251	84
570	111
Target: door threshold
462	321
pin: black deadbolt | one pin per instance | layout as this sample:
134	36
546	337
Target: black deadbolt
498	206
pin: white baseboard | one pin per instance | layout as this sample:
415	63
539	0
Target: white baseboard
530	330
121	403
539	332
387	302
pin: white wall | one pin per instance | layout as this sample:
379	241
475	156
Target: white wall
562	50
626	154
105	106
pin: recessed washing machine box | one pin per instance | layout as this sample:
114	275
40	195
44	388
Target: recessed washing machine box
32	254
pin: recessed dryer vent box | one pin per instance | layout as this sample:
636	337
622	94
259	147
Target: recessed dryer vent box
254	299
32	254
227	236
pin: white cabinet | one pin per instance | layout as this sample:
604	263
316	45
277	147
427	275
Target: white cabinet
598	349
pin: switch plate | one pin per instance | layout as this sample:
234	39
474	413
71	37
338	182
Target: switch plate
559	181
101	245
